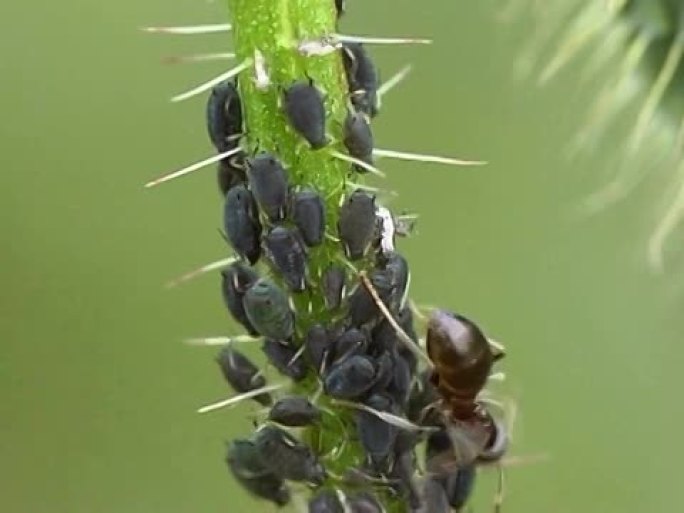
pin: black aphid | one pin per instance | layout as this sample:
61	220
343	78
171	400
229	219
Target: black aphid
268	182
268	309
236	279
230	172
333	284
352	341
287	457
376	435
317	346
364	503
397	269
241	223
358	138
399	386
303	106
362	77
241	373
245	463
350	378
363	309
224	116
285	251
325	502
384	372
356	224
459	485
294	411
284	357
458	481
434	498
308	213
404	469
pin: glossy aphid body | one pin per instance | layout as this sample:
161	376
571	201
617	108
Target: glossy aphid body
356	224
285	251
268	182
287	457
308	214
286	358
241	223
358	138
377	436
350	378
303	106
363	503
224	116
236	279
241	373
230	172
317	346
294	411
325	502
244	461
362	78
267	308
333	282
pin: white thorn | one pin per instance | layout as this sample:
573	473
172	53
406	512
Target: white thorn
382	40
190	29
390	418
353	160
192	167
401	155
318	47
408	342
198	57
238	398
205	86
261	79
220	341
393	81
213	266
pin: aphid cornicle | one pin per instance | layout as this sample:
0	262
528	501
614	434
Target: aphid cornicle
268	309
224	116
325	502
241	223
294	411
362	78
241	373
268	182
333	284
308	213
244	462
230	173
285	251
358	138
304	109
287	457
284	357
356	224
350	378
236	279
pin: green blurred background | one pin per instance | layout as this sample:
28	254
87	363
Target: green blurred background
97	393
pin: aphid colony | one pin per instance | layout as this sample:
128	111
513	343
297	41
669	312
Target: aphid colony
342	332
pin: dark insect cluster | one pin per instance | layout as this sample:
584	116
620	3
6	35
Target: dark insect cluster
322	287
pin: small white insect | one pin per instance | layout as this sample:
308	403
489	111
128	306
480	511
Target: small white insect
387	229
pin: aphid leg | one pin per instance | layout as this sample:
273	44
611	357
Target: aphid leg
382	40
232	401
212	266
655	95
190	29
392	82
192	167
219	341
206	86
401	334
198	57
420	157
358	162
